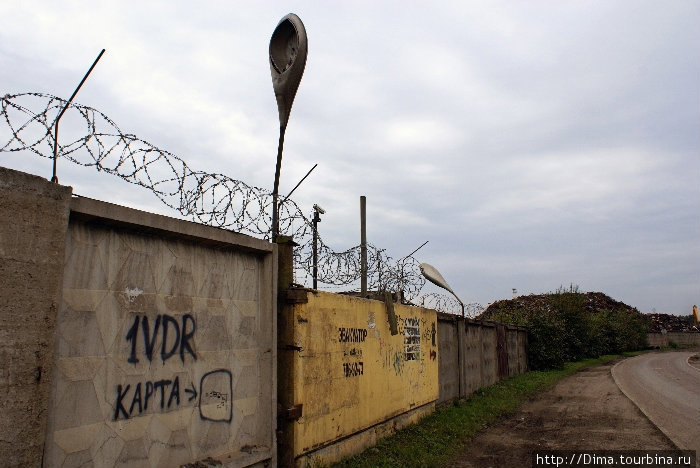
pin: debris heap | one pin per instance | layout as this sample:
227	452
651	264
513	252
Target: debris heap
671	323
595	302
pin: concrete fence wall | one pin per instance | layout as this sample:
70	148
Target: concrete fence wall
657	340
476	346
132	339
349	379
34	217
345	380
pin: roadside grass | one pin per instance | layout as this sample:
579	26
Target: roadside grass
437	438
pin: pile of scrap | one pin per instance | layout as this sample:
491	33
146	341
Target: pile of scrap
594	302
671	323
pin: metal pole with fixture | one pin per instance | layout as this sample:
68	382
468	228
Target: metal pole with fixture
431	274
363	246
288	50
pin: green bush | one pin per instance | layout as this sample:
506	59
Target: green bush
561	327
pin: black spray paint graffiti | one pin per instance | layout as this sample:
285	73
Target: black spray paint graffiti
354	352
181	340
353	369
176	337
151	390
215	391
352	335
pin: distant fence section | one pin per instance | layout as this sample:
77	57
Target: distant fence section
140	340
657	340
474	354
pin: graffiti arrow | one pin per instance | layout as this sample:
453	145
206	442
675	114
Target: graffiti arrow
193	392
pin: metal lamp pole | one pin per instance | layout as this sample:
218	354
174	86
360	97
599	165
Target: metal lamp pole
288	51
434	276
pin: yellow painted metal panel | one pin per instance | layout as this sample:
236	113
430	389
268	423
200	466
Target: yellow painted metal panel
351	373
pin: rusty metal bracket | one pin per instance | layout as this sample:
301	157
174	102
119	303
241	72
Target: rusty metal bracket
290	347
294	296
293	413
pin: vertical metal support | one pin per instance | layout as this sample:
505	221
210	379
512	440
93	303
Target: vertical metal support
461	329
54	177
275	189
285	255
316	220
391	313
379	269
363	245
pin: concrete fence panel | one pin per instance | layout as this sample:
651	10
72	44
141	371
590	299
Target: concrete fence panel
448	360
165	344
479	354
34	216
657	340
517	350
352	380
489	355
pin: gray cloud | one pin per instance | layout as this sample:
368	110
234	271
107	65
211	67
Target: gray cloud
533	144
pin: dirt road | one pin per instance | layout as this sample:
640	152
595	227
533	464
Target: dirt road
586	411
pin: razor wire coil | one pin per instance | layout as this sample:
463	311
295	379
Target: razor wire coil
207	198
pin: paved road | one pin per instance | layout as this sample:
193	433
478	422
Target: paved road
666	387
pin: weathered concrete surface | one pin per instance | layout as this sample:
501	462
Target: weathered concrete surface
350	374
479	355
34	215
165	344
657	340
667	389
447	359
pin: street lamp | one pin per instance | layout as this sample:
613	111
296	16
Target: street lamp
434	276
288	50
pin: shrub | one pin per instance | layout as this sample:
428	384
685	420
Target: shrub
563	326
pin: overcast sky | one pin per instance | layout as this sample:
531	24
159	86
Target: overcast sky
533	144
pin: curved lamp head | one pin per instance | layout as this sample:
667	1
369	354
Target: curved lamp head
434	276
288	50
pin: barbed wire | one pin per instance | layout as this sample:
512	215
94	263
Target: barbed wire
208	198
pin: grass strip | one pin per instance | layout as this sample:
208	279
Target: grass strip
437	438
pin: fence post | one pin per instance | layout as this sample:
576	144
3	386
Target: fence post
461	330
363	245
285	252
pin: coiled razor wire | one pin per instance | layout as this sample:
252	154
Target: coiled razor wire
212	199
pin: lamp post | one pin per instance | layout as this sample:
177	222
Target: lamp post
288	50
434	276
